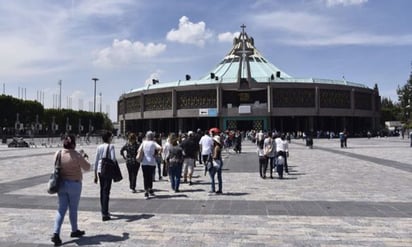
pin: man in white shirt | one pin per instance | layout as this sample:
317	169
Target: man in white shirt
282	148
206	148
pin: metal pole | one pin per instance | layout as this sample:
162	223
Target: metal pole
100	94
94	105
60	95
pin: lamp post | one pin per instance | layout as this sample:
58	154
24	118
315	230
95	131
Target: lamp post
60	95
94	106
100	96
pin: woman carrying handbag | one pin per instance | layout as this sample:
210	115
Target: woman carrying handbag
71	165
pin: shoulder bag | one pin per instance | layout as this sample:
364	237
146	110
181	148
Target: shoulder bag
54	181
140	153
110	168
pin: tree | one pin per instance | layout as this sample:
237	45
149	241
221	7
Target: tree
405	100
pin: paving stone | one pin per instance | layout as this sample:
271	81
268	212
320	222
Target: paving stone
358	196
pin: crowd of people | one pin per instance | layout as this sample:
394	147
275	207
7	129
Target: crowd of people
175	159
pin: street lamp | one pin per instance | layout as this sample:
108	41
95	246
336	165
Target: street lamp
100	96
94	106
60	94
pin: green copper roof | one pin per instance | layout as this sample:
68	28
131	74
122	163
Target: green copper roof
244	61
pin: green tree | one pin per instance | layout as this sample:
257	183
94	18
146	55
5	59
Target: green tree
389	111
31	111
405	100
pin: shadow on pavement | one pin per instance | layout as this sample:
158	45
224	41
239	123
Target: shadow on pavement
131	217
98	239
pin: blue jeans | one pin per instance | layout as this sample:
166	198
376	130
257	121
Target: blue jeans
69	197
175	171
159	170
212	172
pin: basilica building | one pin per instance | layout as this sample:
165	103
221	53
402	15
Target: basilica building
246	91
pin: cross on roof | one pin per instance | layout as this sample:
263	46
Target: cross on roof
243	28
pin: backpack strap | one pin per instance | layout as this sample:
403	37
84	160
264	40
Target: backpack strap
57	162
107	151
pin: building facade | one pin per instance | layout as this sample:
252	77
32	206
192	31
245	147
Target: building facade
244	92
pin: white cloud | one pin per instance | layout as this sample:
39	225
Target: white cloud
307	29
190	33
102	7
297	22
353	39
331	3
227	36
123	52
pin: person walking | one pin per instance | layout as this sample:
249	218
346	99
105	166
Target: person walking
263	160
174	160
189	148
269	151
158	157
198	135
105	181
216	166
150	149
342	139
237	142
71	165
133	166
282	149
206	148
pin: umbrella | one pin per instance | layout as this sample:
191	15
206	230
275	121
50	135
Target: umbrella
214	130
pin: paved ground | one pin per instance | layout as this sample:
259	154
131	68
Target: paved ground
359	196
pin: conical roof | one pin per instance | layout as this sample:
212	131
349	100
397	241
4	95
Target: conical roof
246	66
245	61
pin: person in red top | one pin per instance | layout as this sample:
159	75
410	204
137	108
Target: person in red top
71	165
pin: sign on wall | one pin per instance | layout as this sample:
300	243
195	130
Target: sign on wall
208	112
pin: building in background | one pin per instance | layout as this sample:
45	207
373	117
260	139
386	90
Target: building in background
245	91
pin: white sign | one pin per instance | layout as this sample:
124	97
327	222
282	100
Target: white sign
245	109
203	112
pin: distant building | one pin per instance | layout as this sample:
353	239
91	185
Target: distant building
245	91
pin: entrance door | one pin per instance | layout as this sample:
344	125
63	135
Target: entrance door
245	125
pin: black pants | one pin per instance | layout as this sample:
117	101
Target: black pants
199	157
286	163
205	159
105	187
271	161
148	171
133	170
263	166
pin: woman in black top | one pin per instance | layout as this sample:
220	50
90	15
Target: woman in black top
133	166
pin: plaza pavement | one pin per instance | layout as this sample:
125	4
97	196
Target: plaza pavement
358	196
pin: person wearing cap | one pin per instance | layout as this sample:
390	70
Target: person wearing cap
150	148
217	164
189	156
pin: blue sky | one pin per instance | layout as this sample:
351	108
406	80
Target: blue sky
126	43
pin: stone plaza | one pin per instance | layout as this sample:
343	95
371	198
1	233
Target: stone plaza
356	196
